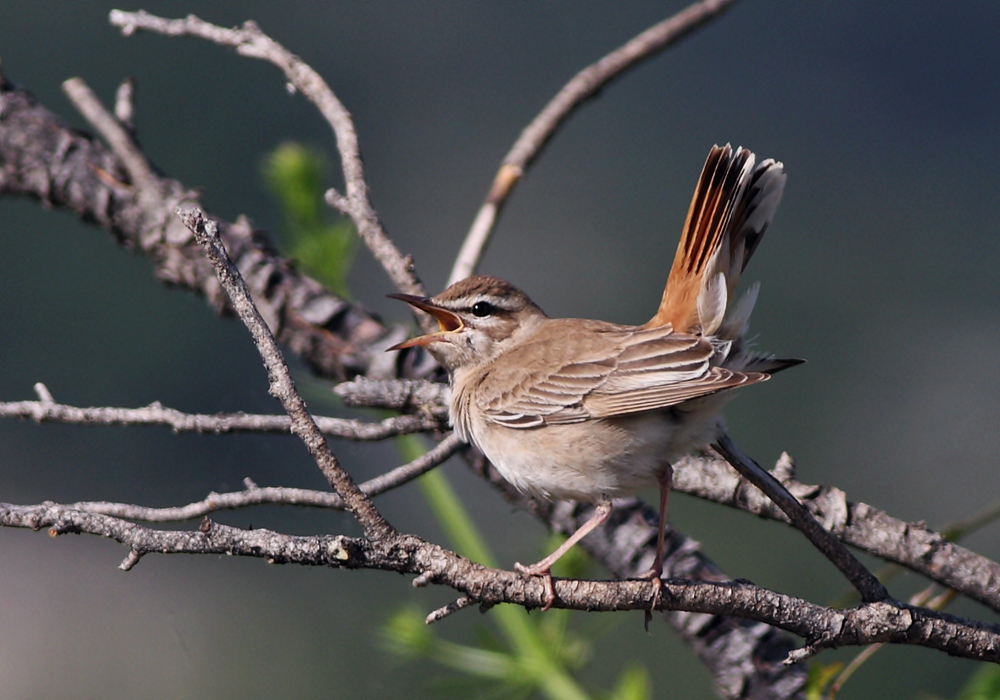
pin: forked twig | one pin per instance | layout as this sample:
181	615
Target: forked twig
250	41
112	129
871	588
885	621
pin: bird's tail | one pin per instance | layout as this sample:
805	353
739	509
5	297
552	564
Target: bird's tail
732	206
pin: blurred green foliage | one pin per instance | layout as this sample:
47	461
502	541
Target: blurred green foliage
983	684
819	679
321	242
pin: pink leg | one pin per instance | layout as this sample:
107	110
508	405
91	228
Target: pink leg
666	478
542	568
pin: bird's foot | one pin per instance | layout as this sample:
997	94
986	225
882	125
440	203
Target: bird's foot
546	575
654	576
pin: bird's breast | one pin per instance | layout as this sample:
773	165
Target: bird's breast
587	461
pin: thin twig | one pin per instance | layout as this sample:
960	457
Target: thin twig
179	422
125	105
871	588
400	475
446	610
281	385
254	495
250	41
116	135
582	87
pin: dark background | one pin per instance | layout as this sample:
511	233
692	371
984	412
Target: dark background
881	270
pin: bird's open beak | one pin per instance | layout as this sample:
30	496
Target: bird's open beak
449	321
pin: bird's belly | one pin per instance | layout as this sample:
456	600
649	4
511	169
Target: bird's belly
587	461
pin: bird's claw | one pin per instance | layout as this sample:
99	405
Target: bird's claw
546	576
654	577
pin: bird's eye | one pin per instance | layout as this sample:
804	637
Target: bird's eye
482	308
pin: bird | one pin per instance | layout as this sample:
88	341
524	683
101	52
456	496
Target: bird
589	411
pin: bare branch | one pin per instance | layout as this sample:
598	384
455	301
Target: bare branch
254	495
399	394
281	385
584	85
250	41
157	414
871	588
446	610
112	130
125	105
44	159
99	213
911	545
885	621
401	475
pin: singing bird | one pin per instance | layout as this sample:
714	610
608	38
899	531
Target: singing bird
588	411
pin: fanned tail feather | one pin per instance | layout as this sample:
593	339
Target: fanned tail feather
732	206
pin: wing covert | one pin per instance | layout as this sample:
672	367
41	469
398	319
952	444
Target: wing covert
625	371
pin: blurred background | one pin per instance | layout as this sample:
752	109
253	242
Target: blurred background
880	270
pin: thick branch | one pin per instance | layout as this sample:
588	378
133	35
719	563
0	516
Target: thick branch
584	85
250	41
821	627
42	158
281	385
912	545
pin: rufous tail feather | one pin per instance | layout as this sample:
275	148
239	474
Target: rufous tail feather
732	206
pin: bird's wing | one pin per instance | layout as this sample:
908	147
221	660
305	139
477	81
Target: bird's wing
658	369
601	373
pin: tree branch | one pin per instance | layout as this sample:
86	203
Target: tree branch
912	545
42	158
112	129
584	85
397	394
254	495
157	414
281	385
885	621
250	41
871	588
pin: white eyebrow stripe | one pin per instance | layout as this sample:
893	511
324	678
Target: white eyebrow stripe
501	303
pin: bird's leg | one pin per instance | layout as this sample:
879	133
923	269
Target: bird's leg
666	478
543	568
